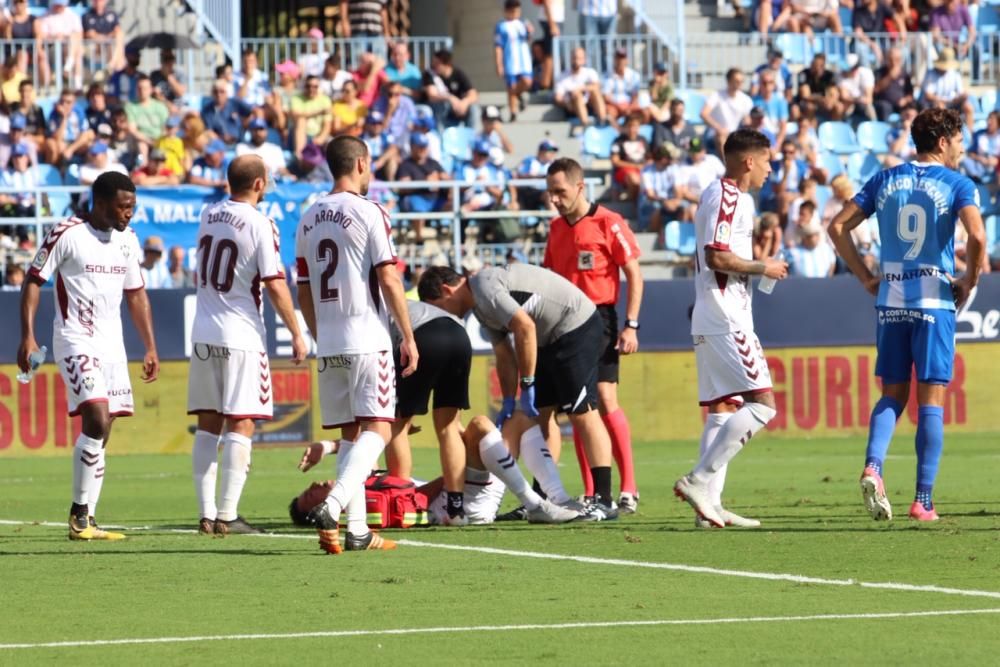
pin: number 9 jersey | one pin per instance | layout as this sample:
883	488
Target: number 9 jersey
917	207
341	239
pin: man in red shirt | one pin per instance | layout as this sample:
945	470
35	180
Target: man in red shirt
588	245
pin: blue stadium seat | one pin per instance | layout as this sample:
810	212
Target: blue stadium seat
991	232
694	102
988	19
49	175
646	132
987	103
457	142
795	47
873	136
832	164
688	241
862	166
47	104
597	141
823	194
987	203
672	236
835	48
838	137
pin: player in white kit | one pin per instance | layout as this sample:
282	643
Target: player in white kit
229	385
733	378
94	260
347	279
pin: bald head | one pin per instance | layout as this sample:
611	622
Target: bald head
243	171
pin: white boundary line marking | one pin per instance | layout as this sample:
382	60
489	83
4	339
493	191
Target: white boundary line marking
590	560
503	628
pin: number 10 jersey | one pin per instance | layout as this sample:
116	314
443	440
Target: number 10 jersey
340	242
237	250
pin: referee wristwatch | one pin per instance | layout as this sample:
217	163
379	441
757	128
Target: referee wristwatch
632	324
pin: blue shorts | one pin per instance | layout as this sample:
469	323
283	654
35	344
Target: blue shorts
422	203
513	79
908	337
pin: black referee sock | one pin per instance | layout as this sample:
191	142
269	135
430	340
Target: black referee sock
456	505
537	488
602	484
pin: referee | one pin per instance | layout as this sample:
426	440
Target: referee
588	245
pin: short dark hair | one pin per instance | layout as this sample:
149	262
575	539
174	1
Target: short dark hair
221	68
568	166
142	77
744	141
807	205
343	153
511	4
443	56
930	125
733	71
243	171
26	82
431	280
108	184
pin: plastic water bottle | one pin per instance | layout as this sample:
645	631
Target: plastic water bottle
766	285
35	359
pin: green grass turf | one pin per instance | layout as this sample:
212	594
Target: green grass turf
160	584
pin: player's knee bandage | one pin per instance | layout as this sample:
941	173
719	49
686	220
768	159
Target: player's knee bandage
761	412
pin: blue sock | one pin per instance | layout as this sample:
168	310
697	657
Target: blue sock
880	430
930	442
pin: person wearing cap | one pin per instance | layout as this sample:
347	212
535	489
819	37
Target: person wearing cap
101	26
172	146
398	110
535	198
784	83
857	90
311	166
382	148
311	62
370	77
13	138
492	130
66	132
727	109
121	84
99	161
146	115
279	102
629	154
61	24
662	194
224	115
449	91
773	105
944	88
210	169
155	171
349	112
578	89
270	153
621	89
23	180
661	93
167	85
424	125
811	257
480	197
512	54
950	20
419	166
400	68
155	273
701	170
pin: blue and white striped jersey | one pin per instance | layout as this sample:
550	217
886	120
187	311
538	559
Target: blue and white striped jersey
622	88
602	8
512	37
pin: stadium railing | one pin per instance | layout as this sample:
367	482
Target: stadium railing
644	52
271	51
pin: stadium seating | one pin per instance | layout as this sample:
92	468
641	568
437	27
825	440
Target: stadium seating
874	136
679	237
862	166
796	48
694	102
646	132
457	142
838	137
597	141
832	164
823	194
58	201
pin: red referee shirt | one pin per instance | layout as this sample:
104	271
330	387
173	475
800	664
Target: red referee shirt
590	251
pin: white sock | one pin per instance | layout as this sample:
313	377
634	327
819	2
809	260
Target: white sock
539	461
713	422
357	465
499	461
235	466
88	458
357	507
204	467
735	433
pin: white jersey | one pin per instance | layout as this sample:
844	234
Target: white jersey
339	243
91	269
724	221
237	250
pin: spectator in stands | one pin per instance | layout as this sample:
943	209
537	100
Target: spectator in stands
843	192
781	76
99	161
981	162
757	120
210	169
67	132
349	112
579	89
817	15
774	16
949	23
629	154
904	15
34	117
21	24
270	153
870	17
766	236
399	112
773	105
13	278
425	125
402	70
311	63
251	83
180	275
279	102
662	195
195	138
857	91
661	93
154	270
334	77
15	136
701	169
893	85
101	25
449	92
167	86
121	85
173	147
61	24
811	257
492	130
384	152
675	130
312	167
818	92
147	115
155	171
480	197
512	55
807	193
97	111
621	89
901	145
419	166
599	17
536	198
312	119
370	77
944	89
782	184
224	72
224	115
727	109
806	141
364	18
20	177
14	71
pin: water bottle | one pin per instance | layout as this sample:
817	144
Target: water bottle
766	285
35	359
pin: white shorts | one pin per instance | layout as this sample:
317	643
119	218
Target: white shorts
357	387
233	383
90	380
482	495
730	365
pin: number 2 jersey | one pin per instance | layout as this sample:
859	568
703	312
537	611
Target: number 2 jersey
340	242
91	269
917	206
237	251
724	221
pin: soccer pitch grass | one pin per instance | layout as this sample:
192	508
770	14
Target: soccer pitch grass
820	583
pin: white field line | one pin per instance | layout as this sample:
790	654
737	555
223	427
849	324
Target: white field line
617	562
503	628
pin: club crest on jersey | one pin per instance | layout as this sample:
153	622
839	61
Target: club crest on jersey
40	258
126	250
88	382
722	232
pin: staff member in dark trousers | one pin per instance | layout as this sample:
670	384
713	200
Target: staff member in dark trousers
588	245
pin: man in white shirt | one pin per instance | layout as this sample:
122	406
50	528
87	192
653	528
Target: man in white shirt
944	88
580	88
702	169
857	90
727	109
811	258
251	84
271	154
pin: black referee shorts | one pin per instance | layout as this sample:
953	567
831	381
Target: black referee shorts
566	371
607	367
443	368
